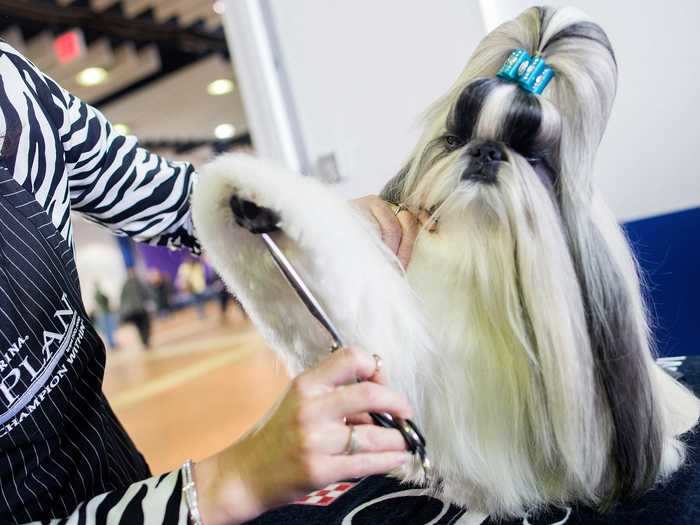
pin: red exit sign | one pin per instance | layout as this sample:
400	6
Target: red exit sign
69	46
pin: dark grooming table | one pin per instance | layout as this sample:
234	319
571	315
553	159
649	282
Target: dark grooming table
381	500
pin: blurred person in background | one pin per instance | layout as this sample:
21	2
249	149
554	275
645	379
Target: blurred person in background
63	452
225	297
105	318
162	291
134	303
191	278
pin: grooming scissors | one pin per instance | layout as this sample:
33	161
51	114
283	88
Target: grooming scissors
263	221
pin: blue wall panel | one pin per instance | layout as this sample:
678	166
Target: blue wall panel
126	247
668	249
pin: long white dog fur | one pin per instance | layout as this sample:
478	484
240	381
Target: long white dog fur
519	331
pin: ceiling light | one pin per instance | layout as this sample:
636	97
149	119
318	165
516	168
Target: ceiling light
92	76
219	7
222	86
123	129
224	131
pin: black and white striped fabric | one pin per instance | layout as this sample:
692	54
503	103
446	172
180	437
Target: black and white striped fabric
66	153
63	453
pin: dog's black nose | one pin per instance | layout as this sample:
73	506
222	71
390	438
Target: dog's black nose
483	161
485	152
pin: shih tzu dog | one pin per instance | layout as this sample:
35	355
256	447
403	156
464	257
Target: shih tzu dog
519	330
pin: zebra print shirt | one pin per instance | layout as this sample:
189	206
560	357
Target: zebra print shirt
98	172
62	155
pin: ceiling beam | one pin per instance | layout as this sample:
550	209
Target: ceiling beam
13	36
113	24
98	54
130	66
102	5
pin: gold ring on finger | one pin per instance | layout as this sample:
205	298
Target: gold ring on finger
353	444
399	209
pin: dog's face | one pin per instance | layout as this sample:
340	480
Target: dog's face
556	133
498	148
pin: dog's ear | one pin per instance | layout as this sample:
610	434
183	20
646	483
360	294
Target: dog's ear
583	92
393	190
620	344
547	317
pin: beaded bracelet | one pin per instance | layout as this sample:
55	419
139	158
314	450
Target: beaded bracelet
189	491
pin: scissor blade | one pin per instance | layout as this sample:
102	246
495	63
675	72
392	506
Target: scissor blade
299	286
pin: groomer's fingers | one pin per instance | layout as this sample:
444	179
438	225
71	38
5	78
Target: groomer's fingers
361	465
359	419
389	224
378	377
362	397
342	367
409	232
333	438
398	230
382	214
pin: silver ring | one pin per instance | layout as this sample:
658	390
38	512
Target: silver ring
378	363
353	445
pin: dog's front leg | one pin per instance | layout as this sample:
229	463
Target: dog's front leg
335	250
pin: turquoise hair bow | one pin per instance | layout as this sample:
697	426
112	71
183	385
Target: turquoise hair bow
531	73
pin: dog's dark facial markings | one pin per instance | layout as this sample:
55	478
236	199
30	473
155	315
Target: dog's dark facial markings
464	116
517	125
521	125
519	128
452	142
485	158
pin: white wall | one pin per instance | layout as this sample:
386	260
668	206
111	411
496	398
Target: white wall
361	72
269	110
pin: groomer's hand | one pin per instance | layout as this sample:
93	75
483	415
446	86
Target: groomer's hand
399	231
303	443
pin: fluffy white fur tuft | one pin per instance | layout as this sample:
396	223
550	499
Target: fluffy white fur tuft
335	249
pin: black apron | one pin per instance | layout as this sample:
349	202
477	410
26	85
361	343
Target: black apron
60	442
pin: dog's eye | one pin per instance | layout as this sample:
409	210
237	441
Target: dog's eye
453	141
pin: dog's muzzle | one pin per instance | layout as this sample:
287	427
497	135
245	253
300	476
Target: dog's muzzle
484	159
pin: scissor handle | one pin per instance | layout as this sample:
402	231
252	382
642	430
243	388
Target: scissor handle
411	435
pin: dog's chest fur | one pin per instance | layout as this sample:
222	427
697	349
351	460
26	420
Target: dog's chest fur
475	387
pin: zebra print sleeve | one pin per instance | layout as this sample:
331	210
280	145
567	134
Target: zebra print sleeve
111	180
154	501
